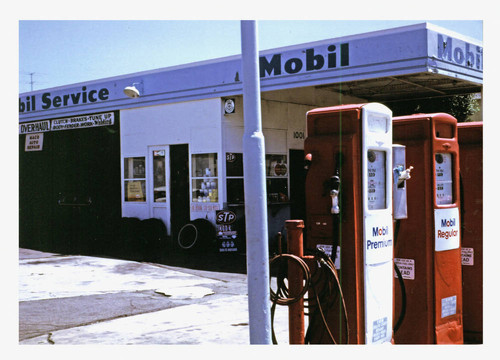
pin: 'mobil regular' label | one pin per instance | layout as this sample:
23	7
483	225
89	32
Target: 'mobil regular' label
447	229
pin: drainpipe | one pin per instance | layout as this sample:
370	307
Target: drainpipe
254	180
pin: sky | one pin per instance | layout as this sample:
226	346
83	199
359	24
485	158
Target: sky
61	52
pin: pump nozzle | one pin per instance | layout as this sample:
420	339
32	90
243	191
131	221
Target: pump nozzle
334	194
335	201
403	175
335	184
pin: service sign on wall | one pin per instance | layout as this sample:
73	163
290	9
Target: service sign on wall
34	130
34	142
34	127
81	122
71	123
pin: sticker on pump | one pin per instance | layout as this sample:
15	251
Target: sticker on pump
468	256
406	267
444	179
448	306
447	229
379	332
376	179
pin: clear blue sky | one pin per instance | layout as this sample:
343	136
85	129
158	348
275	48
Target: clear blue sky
65	52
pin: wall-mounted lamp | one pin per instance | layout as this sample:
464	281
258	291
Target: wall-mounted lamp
132	91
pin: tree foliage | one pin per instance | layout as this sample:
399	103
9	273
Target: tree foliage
459	106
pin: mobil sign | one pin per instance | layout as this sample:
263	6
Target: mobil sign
446	229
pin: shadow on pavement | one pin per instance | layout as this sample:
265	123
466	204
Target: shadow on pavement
208	261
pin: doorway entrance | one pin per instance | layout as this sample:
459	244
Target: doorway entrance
159	189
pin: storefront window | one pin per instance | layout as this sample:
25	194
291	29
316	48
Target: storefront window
276	178
135	179
234	178
159	185
205	187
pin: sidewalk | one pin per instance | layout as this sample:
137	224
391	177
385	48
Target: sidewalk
90	300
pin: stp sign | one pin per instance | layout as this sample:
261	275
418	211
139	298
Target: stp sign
225	217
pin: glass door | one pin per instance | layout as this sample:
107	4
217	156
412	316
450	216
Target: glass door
159	184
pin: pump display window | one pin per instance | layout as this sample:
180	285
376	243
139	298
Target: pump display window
134	175
204	181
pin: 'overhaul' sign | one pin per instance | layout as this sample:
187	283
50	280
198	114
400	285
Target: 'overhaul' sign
72	123
34	127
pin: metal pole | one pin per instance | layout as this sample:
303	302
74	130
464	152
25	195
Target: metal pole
254	161
294	232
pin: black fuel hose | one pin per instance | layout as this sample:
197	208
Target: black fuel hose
402	313
281	296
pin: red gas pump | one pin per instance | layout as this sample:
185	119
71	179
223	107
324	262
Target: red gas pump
470	139
428	241
349	216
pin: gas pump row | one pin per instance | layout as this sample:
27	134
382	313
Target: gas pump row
383	255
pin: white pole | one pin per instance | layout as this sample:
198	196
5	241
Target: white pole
254	165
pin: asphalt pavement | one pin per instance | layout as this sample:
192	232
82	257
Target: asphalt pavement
90	300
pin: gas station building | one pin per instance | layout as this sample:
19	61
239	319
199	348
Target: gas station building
171	148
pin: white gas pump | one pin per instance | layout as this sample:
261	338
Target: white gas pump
377	224
349	210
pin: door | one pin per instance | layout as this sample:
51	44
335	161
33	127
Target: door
85	196
179	180
73	215
159	191
297	185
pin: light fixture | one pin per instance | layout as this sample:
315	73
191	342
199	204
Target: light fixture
132	91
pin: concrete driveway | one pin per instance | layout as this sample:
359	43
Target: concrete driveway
92	300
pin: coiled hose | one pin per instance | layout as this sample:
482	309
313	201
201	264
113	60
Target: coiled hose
325	275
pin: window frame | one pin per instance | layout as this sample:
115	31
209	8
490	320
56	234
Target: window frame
209	196
127	178
270	176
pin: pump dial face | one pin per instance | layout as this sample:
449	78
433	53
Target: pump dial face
376	179
444	179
